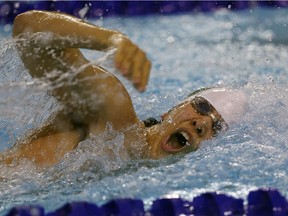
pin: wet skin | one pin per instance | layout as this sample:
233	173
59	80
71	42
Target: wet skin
181	130
93	97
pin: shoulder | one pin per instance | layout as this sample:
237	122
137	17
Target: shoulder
115	102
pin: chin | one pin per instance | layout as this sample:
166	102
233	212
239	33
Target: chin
154	139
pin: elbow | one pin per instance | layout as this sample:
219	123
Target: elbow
25	23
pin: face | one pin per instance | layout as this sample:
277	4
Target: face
182	130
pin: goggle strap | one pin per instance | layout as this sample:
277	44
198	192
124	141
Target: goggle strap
213	117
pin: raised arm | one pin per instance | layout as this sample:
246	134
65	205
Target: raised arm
61	31
48	43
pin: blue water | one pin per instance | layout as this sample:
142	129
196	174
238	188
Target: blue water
246	50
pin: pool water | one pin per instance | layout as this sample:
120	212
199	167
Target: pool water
247	50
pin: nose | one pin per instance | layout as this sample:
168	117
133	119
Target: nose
199	127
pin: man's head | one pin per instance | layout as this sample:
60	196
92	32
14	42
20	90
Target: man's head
199	117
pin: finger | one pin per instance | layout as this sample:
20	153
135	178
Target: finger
141	74
137	67
119	57
127	63
145	76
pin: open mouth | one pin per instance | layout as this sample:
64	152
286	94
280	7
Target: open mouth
176	142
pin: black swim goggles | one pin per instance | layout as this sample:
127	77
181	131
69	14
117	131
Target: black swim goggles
203	107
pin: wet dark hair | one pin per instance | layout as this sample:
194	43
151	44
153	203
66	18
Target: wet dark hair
149	122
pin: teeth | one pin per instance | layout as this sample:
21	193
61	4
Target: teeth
184	134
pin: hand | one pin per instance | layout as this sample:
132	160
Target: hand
131	61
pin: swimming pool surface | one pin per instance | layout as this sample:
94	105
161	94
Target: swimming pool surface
246	50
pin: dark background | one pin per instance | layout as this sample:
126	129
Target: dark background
94	9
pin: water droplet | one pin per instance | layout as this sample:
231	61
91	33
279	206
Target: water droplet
7	28
82	13
99	22
229	7
16	5
4	9
170	39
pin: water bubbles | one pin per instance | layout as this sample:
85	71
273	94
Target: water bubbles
82	13
16	5
228	50
170	39
98	12
4	9
99	22
170	120
7	28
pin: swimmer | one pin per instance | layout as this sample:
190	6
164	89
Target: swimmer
49	45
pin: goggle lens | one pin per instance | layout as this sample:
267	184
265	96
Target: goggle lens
203	107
